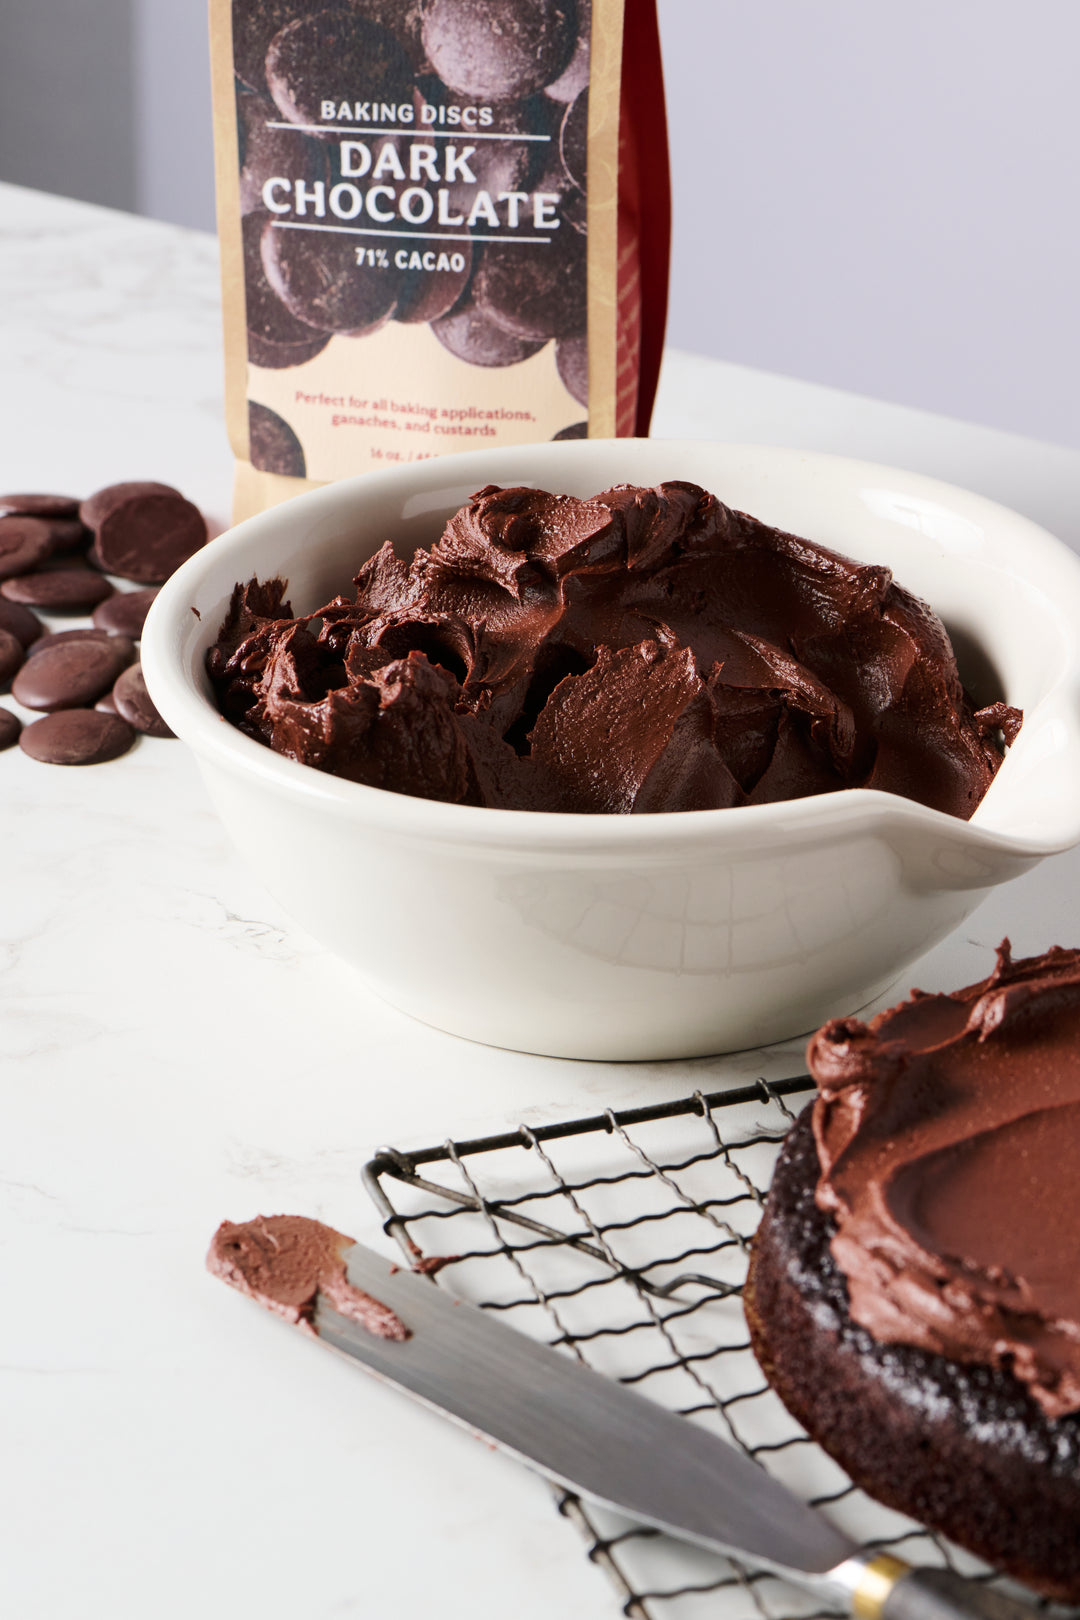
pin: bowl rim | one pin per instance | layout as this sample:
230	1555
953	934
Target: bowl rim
177	692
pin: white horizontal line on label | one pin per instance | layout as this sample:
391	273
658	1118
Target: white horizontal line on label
405	129
409	236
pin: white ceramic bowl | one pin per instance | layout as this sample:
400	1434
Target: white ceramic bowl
644	936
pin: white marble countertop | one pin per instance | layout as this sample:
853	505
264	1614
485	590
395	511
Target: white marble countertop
175	1051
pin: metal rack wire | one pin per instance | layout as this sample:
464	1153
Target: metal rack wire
623	1239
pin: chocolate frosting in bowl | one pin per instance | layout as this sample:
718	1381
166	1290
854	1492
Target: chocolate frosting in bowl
643	650
948	1135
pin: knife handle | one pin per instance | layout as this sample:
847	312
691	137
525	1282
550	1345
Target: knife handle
939	1594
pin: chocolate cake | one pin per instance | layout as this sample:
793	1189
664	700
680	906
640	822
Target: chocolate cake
914	1288
644	650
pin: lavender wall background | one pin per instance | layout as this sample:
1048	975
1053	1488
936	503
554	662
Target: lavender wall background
880	197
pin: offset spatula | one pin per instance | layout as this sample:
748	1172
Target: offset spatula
605	1442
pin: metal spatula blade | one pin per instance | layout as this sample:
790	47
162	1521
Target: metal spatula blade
613	1446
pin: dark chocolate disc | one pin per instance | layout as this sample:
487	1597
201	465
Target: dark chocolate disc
25	542
122	646
572	360
69	675
317	277
498	50
274	446
107	704
20	621
136	706
77	737
429	292
67	534
576	430
574	140
125	613
473	336
12	653
10	726
535	291
335	48
276	338
58	590
494	166
142	531
47	506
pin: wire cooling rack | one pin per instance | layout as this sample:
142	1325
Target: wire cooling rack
623	1239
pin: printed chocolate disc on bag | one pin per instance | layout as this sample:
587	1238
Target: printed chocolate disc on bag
275	337
499	50
253	26
268	152
333	48
402	18
406	188
475	338
572	359
575	76
319	281
434	281
274	446
535	292
574	139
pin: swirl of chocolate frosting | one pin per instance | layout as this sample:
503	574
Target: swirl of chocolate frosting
644	650
948	1136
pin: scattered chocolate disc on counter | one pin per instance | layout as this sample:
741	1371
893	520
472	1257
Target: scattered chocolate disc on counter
10	726
107	704
497	50
77	737
472	335
334	47
142	531
316	276
25	542
274	446
67	534
535	292
276	338
58	590
124	613
12	654
20	621
119	644
70	674
49	506
136	706
572	362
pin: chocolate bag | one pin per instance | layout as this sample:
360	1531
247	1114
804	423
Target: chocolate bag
444	224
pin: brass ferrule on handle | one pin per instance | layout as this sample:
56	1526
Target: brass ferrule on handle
878	1587
879	1576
